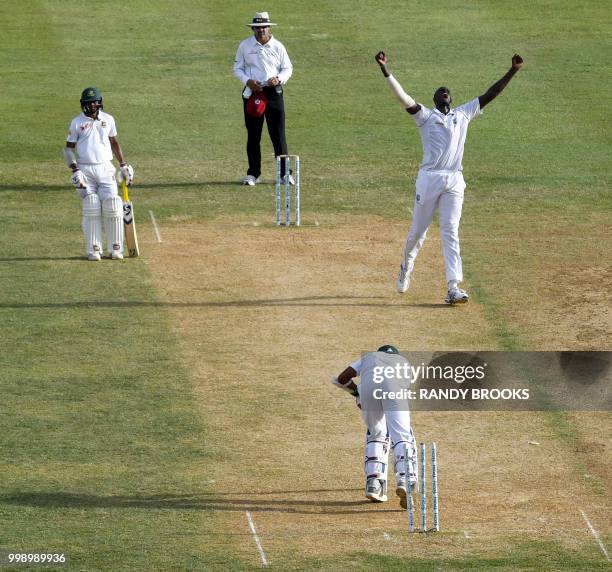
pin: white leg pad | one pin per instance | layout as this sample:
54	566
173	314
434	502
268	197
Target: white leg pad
112	209
92	224
376	454
405	460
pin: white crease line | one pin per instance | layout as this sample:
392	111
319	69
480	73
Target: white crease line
155	227
262	554
596	536
466	535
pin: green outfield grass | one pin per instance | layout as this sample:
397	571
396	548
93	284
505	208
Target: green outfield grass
531	556
103	448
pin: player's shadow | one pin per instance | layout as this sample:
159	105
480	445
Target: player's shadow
226	502
40	258
309	301
36	188
184	184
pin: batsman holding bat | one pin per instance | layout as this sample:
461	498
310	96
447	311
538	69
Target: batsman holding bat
385	376
94	136
440	184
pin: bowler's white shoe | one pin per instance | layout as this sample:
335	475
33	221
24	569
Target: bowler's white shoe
456	296
250	180
375	490
403	281
291	180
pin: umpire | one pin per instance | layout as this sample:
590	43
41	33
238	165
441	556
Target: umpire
263	66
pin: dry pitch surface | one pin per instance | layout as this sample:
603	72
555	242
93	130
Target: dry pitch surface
266	316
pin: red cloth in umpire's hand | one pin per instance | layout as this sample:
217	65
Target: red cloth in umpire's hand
256	106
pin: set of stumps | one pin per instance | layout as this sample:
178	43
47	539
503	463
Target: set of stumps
423	490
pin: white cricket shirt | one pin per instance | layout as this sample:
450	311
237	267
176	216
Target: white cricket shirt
443	136
383	377
398	364
261	62
92	137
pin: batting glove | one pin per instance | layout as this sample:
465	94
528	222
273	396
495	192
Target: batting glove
78	179
126	172
353	392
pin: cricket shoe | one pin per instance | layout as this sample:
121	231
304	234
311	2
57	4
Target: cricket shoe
250	180
403	281
95	254
456	296
116	253
291	180
375	490
402	492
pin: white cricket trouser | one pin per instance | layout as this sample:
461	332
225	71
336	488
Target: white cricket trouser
442	190
100	179
397	423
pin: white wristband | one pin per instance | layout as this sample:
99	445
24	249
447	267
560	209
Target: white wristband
399	93
70	157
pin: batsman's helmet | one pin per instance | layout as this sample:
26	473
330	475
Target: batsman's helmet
388	349
90	95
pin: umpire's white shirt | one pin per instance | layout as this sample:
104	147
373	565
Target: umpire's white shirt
92	138
443	136
261	62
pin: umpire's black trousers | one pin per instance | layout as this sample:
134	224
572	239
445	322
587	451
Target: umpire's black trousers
275	120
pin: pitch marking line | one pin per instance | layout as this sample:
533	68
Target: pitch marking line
596	536
155	227
466	535
262	554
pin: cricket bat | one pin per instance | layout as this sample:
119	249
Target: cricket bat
129	224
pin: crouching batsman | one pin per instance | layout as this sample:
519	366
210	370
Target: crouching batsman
382	396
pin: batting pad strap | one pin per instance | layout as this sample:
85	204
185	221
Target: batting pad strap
70	156
399	93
